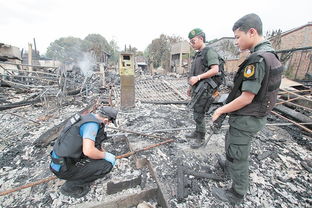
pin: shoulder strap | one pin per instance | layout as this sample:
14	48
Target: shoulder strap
204	56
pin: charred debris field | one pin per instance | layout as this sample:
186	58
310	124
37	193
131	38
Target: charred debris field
168	175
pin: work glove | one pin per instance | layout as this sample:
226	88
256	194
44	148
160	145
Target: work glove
110	158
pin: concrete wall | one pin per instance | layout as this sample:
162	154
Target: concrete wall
9	51
232	65
297	38
298	63
180	57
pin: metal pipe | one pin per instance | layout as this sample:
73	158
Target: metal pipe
138	133
153	131
301	96
286	101
297	124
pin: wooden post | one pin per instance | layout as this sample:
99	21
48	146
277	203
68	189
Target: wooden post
102	72
29	56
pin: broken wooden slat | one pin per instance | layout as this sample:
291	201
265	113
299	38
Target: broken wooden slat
51	134
19	104
114	187
181	191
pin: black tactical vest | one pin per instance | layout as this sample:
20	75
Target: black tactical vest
265	99
198	67
201	65
69	143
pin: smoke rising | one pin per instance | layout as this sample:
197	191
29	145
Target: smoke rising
86	64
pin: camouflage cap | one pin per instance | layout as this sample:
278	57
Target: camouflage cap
109	112
196	32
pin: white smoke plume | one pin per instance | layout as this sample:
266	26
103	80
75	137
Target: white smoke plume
86	64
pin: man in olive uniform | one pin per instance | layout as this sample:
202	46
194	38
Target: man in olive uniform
252	98
77	155
201	69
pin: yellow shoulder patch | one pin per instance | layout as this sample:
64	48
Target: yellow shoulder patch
249	71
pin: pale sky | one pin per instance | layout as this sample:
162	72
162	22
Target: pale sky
138	22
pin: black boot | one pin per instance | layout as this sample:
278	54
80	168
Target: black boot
71	188
199	141
192	135
229	195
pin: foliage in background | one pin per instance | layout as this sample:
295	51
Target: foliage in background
158	52
67	49
71	49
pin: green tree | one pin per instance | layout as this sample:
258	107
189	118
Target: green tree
158	52
97	43
71	49
66	49
114	51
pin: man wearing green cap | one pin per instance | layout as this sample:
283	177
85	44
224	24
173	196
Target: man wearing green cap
205	65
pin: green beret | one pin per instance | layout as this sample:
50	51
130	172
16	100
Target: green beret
196	32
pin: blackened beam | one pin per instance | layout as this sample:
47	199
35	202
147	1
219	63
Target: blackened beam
181	191
181	180
293	114
114	187
51	134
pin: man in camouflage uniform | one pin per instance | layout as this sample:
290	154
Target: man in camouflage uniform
252	98
200	71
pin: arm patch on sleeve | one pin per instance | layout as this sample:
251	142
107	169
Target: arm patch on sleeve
249	72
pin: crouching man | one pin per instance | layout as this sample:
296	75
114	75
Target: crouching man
77	155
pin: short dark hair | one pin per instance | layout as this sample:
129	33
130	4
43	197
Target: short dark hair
203	36
249	21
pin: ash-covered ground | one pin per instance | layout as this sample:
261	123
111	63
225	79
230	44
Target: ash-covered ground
277	176
279	164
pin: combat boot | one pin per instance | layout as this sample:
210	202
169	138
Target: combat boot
69	188
229	195
199	141
192	135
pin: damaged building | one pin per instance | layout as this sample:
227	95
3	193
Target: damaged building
156	166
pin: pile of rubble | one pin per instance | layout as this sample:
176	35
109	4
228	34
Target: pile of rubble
170	175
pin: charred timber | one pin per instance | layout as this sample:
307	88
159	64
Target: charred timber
294	114
50	135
